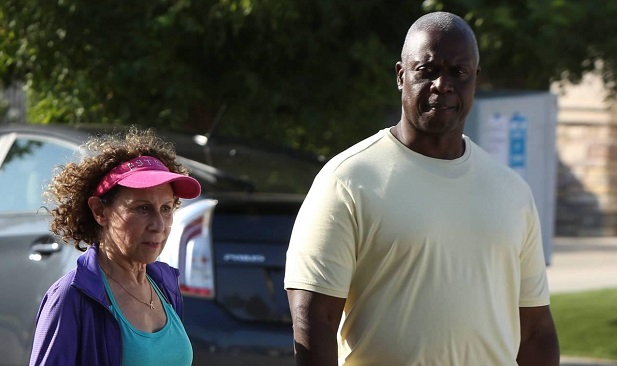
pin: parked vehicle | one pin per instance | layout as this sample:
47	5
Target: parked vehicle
229	244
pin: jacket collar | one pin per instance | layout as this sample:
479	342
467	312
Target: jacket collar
88	276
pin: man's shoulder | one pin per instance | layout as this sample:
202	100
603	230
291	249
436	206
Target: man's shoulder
359	152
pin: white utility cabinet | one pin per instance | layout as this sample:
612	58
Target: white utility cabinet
519	129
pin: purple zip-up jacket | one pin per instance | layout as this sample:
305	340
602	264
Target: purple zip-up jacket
74	325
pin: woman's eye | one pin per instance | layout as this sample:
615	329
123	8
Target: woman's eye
167	210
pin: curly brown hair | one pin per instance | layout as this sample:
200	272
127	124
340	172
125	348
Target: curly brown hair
73	184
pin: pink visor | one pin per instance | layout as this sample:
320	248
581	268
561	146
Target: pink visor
147	172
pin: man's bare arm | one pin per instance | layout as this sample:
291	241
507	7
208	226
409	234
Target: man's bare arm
316	319
539	344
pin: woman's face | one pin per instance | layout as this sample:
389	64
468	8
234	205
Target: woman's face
138	222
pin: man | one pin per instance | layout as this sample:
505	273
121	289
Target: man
415	247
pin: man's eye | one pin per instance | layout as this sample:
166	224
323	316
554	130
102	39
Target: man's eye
426	69
461	72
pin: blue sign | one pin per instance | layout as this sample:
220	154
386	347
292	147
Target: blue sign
517	155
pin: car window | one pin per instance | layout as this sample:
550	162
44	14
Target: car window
249	165
26	170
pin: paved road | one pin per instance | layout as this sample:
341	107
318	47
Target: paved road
572	361
580	264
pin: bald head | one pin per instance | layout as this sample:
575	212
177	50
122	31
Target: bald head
441	22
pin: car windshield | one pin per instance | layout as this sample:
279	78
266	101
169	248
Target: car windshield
226	165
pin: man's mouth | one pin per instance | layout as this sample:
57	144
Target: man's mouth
440	107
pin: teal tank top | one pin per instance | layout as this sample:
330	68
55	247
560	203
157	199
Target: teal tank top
167	346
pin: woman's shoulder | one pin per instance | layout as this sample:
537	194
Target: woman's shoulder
62	293
163	274
162	269
166	277
62	286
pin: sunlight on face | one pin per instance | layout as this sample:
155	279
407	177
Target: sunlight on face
139	222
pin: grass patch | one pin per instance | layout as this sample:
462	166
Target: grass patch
586	323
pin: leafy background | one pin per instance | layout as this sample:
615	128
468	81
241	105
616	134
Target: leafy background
316	75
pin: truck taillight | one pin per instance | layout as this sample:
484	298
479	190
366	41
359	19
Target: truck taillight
199	266
198	276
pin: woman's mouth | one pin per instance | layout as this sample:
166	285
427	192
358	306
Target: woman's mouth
152	244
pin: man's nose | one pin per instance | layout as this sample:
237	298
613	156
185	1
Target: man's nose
442	84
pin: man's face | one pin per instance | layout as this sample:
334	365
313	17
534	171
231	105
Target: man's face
437	79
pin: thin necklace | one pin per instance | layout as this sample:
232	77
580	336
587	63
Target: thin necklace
150	305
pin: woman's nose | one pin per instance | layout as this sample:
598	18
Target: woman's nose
157	222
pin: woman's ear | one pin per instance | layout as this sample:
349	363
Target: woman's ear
98	210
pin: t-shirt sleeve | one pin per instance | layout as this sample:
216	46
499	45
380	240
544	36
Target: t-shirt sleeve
534	283
322	249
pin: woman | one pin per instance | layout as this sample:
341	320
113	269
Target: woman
119	306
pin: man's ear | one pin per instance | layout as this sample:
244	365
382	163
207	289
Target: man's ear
399	75
98	210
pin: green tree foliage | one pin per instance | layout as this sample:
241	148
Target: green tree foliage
527	44
315	74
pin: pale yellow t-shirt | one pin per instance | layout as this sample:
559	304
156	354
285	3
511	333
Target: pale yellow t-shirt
434	257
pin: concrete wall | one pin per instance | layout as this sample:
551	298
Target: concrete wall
586	202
